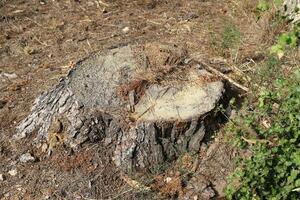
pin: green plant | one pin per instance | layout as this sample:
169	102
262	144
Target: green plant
265	5
273	137
286	41
213	40
231	36
268	71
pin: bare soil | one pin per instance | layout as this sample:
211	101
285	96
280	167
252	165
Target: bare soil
40	41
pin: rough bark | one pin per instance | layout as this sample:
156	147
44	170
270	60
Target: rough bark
291	10
145	103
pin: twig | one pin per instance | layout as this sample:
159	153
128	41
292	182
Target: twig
117	196
296	189
107	37
153	22
226	77
135	184
253	141
34	21
211	69
42	43
103	3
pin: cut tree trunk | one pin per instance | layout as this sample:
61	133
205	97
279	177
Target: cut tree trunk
147	104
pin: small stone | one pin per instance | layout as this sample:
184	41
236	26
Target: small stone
13	172
107	141
38	145
168	179
9	76
126	29
208	193
26	158
2	178
44	147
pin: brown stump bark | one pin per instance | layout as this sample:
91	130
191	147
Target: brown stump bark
147	104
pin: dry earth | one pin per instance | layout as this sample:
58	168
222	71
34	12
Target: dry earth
39	42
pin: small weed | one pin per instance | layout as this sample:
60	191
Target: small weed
161	168
262	6
265	5
227	42
286	41
268	71
230	40
214	40
231	37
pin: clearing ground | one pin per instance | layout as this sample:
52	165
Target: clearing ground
40	41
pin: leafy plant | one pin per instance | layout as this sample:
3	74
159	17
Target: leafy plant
268	70
285	41
273	169
265	5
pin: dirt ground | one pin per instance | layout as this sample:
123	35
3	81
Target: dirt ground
41	39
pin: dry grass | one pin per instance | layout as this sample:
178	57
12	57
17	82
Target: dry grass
37	41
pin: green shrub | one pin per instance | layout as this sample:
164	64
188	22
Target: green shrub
273	169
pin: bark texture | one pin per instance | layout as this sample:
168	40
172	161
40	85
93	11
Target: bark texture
291	10
146	103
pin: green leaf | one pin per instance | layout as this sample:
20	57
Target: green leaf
278	3
278	50
263	5
283	39
296	158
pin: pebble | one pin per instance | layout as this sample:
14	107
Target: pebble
44	147
168	179
126	29
107	141
26	157
208	193
9	76
13	172
2	178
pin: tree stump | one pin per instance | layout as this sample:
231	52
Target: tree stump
146	103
